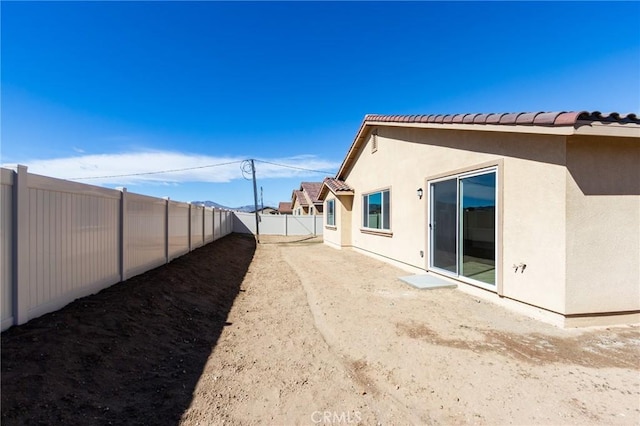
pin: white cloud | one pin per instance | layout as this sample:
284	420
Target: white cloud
107	169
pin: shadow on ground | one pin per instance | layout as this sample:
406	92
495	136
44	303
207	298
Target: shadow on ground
291	240
131	354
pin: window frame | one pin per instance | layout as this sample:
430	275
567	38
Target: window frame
385	217
331	212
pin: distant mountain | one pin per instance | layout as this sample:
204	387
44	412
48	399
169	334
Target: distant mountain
247	208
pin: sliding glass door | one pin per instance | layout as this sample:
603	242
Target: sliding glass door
462	226
443	225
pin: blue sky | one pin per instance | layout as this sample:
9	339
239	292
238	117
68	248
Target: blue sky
99	89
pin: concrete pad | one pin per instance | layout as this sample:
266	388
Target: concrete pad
428	281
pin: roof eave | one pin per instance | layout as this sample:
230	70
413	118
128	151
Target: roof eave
594	128
325	190
580	128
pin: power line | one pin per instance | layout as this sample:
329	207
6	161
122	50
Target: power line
156	172
297	168
245	168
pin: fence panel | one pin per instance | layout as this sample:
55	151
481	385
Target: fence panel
245	223
226	223
178	232
301	225
145	230
6	249
208	225
61	240
273	224
73	242
197	227
217	224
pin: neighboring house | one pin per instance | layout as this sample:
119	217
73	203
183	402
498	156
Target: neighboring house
539	211
284	207
305	201
299	203
266	210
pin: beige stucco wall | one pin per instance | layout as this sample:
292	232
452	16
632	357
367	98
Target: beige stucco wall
296	205
533	224
344	207
332	235
603	225
339	236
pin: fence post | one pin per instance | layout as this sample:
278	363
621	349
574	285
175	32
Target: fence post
286	224
204	217
314	224
166	229
20	246
189	227
123	233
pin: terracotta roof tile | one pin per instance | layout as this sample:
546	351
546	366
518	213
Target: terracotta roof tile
469	118
526	117
312	190
540	118
284	207
336	185
480	118
567	118
546	118
299	195
458	118
509	118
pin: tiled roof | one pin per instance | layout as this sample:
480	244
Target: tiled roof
312	189
336	185
560	122
301	198
560	118
284	207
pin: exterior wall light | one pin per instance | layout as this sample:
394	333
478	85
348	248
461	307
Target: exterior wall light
420	192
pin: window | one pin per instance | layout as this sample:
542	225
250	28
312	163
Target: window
331	217
376	211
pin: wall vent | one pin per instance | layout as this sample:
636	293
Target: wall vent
374	141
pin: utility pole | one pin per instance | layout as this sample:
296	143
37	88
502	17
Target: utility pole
261	201
255	200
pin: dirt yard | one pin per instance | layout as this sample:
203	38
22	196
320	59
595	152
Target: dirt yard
294	332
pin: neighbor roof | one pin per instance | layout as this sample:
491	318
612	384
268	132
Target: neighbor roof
301	198
560	123
336	186
284	207
312	190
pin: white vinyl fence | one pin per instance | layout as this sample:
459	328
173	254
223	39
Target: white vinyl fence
61	240
273	224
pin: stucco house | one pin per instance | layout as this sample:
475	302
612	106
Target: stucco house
305	201
267	210
536	211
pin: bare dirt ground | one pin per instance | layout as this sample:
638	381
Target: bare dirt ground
294	332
